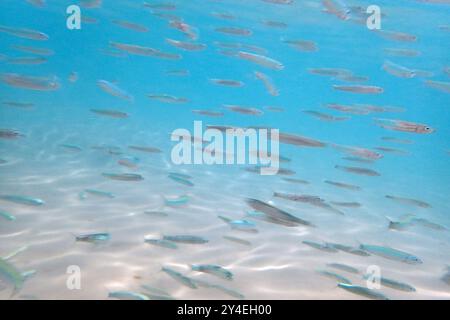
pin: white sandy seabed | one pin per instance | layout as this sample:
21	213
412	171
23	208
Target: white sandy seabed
276	265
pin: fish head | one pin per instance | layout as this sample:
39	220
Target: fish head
425	129
344	285
376	155
413	260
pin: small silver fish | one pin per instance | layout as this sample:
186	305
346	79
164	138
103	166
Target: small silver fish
34	50
166	98
359	89
7	216
110	113
228	83
181	180
145	149
123	176
24	33
392	254
334	276
186	239
27	60
31	82
156	293
359	171
21	105
188	46
234	31
22	200
238	240
10	134
176	201
349	249
343	267
394	284
156	213
162	243
267	82
323	247
214	270
99	193
301	141
130	25
363	291
398	225
439	85
346	204
241	225
415	202
180	278
144	51
275	215
294	180
261	60
343	185
312	200
93	237
323	116
428	224
127	295
244	110
114	90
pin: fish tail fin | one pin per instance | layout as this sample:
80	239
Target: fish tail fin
82	195
360	244
108	290
74	236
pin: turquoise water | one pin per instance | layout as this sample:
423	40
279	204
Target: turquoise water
275	264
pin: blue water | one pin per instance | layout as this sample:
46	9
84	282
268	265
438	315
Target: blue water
277	265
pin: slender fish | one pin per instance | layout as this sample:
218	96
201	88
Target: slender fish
392	254
127	295
93	237
334	276
22	200
214	270
180	278
186	239
363	291
123	176
275	215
